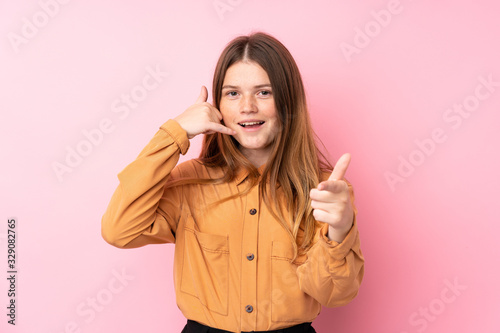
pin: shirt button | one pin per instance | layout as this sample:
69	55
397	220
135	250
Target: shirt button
250	256
253	211
248	308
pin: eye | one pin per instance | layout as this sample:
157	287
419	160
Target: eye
265	92
232	93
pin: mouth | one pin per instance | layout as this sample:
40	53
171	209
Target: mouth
251	124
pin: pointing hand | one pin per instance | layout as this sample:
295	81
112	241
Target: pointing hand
331	201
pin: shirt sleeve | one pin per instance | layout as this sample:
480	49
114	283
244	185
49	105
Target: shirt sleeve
133	217
333	272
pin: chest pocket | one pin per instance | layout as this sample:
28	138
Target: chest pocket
288	302
205	269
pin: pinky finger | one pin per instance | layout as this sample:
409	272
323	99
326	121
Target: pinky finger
221	129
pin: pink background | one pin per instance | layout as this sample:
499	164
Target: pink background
409	63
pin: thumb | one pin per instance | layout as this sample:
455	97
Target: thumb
203	95
340	167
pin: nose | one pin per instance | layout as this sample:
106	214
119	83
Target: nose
248	104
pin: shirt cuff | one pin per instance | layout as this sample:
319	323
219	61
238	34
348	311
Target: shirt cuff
178	134
338	250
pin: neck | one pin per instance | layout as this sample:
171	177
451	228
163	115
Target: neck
257	158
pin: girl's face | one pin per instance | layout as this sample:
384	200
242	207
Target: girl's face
247	106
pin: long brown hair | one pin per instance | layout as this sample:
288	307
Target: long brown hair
295	162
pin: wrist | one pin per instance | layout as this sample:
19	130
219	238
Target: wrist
178	120
337	235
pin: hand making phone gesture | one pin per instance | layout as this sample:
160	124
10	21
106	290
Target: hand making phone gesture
202	118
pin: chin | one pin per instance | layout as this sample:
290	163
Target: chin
252	145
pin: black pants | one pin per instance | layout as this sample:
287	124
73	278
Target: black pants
195	327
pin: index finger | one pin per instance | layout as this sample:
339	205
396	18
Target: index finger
340	167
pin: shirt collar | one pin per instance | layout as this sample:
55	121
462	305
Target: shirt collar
242	173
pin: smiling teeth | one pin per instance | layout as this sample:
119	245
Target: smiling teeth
252	123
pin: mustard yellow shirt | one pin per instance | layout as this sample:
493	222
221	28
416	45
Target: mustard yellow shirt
232	262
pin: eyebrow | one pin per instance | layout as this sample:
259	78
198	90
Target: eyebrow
236	87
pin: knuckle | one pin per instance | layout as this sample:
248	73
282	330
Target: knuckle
343	200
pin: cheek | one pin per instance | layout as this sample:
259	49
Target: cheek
226	115
276	129
227	109
270	111
272	115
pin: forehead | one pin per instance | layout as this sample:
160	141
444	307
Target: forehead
246	73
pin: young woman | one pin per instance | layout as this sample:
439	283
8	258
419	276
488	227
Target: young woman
265	233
